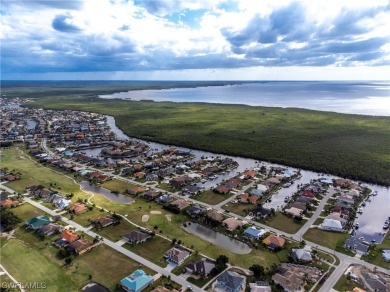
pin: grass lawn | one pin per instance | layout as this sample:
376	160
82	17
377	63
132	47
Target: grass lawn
199	282
152	249
117	185
26	212
318	221
239	209
332	240
283	223
343	284
212	198
83	218
115	232
6	282
29	265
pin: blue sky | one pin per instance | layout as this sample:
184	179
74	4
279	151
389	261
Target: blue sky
203	39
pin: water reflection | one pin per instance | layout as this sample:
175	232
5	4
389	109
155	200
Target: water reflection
217	238
106	193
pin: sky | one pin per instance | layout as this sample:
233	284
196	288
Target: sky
195	40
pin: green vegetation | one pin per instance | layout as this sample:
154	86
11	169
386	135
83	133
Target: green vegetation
284	223
375	255
152	249
354	146
344	284
118	186
114	232
212	198
330	239
8	219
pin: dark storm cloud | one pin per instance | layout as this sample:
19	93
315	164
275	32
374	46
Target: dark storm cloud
61	23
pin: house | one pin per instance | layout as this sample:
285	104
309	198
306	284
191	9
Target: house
176	255
136	190
49	229
77	208
256	192
232	223
374	282
62	203
254	232
272	181
202	267
9	203
150	195
80	246
386	254
356	245
301	254
249	174
180	204
298	205
102	222
230	281
195	211
163	289
69	236
214	216
136	236
338	217
260	212
38	222
308	194
295	212
221	189
274	242
332	225
180	181
137	281
164	199
260	286
243	198
190	190
292	277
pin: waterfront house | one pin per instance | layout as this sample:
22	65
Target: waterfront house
332	225
386	254
150	195
176	255
295	212
136	190
232	223
374	282
136	282
260	286
195	211
274	242
222	189
180	204
357	245
254	232
214	216
230	281
38	222
136	236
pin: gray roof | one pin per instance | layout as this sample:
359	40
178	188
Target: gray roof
302	254
375	282
231	280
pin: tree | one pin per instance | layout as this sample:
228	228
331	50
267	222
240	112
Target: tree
220	264
257	270
68	261
174	241
8	219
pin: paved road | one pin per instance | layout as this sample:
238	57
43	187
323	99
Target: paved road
115	246
313	218
17	284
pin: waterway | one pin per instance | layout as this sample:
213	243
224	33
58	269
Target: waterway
106	193
355	97
371	221
217	238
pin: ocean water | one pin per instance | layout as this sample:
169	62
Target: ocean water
366	97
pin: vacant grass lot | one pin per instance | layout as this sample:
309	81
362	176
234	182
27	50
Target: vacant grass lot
284	223
152	249
117	185
115	232
332	240
26	212
355	146
212	198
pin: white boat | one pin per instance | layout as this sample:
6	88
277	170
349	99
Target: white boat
359	211
375	193
386	225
